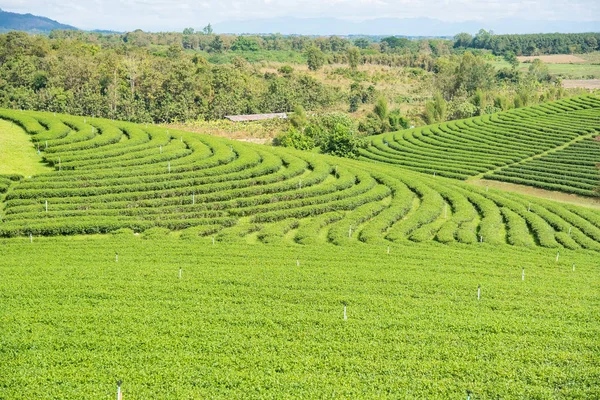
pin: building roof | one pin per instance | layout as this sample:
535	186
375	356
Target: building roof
254	117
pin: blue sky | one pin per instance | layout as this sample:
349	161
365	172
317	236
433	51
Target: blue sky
174	15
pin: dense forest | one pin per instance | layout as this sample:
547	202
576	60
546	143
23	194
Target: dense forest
531	45
166	77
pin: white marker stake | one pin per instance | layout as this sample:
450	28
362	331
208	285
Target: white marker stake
119	394
30	238
46	144
570	230
529	207
557	255
573	267
46	205
350	232
297	263
433	173
478	292
169	166
181	139
345	316
480	239
180	273
523	274
116	257
388	250
213	240
487	188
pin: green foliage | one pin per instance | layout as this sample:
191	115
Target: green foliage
435	111
243	43
286	70
216	45
511	58
354	57
396	42
381	108
139	309
342	141
296	139
362	43
298	117
533	44
463	40
315	58
538	70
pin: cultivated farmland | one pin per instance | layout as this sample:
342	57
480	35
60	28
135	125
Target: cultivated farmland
507	142
267	321
114	175
191	266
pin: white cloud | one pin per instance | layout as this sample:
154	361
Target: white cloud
176	14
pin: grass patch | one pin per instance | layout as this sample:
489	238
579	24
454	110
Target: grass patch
17	154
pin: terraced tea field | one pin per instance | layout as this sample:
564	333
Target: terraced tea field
190	266
505	145
573	169
114	175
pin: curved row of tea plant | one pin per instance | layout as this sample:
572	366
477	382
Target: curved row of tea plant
466	148
573	169
111	176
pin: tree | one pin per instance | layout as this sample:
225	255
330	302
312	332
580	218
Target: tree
208	30
381	108
353	54
435	111
298	118
342	141
539	70
362	43
295	139
315	58
395	42
174	51
244	44
188	31
512	59
216	45
463	39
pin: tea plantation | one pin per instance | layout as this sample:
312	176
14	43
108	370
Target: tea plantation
190	266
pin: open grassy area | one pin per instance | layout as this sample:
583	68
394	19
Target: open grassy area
590	69
17	154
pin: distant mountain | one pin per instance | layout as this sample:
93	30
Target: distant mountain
10	21
398	26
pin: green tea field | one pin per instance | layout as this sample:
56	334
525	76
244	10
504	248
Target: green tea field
190	266
267	321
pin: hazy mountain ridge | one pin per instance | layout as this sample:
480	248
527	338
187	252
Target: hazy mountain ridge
29	23
399	26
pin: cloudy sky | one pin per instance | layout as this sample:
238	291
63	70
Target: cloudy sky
154	15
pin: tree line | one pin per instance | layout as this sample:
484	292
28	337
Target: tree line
131	83
530	44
